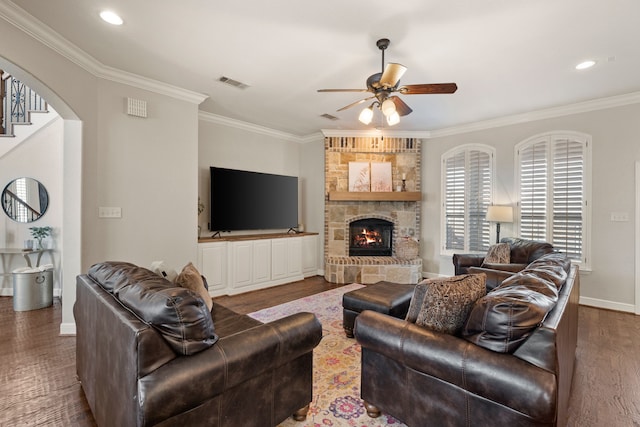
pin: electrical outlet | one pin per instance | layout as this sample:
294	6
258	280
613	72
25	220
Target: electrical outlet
109	212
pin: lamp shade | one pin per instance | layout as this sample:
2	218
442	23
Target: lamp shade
388	107
393	119
500	214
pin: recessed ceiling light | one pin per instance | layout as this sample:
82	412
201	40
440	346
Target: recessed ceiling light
585	64
111	17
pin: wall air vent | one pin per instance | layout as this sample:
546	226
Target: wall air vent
328	116
233	83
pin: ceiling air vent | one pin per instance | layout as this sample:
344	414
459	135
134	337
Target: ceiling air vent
328	116
233	83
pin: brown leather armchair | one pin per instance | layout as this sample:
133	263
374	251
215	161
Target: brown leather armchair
424	377
149	354
522	253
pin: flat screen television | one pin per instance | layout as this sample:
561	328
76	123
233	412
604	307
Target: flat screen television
244	200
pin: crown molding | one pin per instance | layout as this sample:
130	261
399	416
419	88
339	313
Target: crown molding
28	24
376	132
548	113
250	127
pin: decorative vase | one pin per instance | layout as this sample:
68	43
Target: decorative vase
407	248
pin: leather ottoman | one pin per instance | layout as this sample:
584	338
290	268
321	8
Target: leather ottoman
384	297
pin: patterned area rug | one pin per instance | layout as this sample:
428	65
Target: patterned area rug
336	364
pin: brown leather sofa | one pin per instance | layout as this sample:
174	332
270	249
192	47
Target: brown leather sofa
150	354
522	252
484	377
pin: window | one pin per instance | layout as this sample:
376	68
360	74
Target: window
467	179
552	175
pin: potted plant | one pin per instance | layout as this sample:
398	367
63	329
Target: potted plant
40	233
200	210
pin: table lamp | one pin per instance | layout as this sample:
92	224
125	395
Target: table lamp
499	214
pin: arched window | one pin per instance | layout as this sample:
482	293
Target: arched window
467	186
552	175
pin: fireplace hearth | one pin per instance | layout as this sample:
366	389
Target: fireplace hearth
370	237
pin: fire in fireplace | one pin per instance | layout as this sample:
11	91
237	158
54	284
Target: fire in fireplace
370	237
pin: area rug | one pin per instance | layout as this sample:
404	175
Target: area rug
336	364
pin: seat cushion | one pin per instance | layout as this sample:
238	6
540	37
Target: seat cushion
443	304
181	316
503	319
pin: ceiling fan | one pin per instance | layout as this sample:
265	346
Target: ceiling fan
383	85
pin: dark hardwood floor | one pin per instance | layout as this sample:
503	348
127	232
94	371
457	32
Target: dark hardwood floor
38	386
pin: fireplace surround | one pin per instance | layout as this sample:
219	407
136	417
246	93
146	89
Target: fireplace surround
399	210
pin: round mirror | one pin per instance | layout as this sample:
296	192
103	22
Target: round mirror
25	200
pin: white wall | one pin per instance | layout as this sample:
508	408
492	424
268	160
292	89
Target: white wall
313	198
230	147
148	167
39	157
616	147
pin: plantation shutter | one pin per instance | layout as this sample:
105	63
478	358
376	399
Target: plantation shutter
479	199
454	193
467	194
568	196
533	192
552	193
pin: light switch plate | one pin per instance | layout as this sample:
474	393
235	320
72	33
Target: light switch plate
620	216
109	212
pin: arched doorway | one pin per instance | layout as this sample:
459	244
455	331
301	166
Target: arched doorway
71	244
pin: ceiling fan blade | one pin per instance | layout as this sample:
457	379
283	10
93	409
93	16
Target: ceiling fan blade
401	107
431	88
392	74
343	90
353	104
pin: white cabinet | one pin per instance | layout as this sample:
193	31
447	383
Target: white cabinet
212	264
309	255
261	261
294	257
279	259
237	265
241	264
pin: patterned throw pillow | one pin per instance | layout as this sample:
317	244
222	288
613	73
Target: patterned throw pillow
500	253
444	304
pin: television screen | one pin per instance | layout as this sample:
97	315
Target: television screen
243	200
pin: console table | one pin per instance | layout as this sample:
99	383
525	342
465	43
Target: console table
8	253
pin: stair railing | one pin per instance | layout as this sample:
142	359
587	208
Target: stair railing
18	101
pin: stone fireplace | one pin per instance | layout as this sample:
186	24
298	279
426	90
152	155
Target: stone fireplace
365	231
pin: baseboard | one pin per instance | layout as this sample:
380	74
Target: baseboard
608	305
67	329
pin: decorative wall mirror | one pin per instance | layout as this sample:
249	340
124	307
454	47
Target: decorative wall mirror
25	200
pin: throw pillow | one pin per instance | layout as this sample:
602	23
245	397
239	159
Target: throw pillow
500	253
191	279
444	304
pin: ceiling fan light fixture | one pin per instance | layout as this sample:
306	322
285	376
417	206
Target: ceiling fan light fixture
393	119
388	107
366	115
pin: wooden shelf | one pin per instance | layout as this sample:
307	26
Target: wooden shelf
391	196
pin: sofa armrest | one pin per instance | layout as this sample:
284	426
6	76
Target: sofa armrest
499	377
494	277
462	261
187	382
